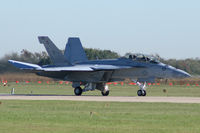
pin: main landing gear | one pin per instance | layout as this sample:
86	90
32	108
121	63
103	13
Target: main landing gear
90	87
78	91
105	91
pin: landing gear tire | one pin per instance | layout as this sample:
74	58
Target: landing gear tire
144	93
141	93
78	91
105	93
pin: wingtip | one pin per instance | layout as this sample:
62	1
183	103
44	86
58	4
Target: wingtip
11	61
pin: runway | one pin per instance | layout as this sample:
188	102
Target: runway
148	99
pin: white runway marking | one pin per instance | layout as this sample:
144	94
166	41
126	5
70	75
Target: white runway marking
104	99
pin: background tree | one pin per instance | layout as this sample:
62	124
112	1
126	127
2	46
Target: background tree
191	65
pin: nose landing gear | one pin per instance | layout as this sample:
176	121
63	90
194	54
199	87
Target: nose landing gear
142	86
141	91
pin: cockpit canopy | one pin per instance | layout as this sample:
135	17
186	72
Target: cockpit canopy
143	58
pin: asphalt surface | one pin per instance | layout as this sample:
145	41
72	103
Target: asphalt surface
102	98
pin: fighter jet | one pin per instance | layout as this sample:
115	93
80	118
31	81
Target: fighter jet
88	75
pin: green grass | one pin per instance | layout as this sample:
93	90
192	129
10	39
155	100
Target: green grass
115	90
18	116
97	117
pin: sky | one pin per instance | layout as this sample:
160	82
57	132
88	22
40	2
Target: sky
170	28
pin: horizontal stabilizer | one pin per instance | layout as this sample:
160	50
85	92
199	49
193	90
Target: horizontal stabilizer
24	66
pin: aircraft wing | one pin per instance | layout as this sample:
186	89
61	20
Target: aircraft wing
112	67
69	68
76	68
86	68
34	67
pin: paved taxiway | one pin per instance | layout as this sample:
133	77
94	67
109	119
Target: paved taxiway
103	99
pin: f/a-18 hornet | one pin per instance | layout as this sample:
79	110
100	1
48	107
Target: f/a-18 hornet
74	66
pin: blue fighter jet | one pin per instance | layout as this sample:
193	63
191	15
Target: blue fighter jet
74	66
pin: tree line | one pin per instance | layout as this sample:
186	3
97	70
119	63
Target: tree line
190	65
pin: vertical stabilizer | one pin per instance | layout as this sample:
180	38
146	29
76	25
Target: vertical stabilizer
74	51
55	54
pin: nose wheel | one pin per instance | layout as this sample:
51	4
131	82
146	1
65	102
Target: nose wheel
141	92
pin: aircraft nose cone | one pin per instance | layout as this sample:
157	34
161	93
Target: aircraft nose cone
180	74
